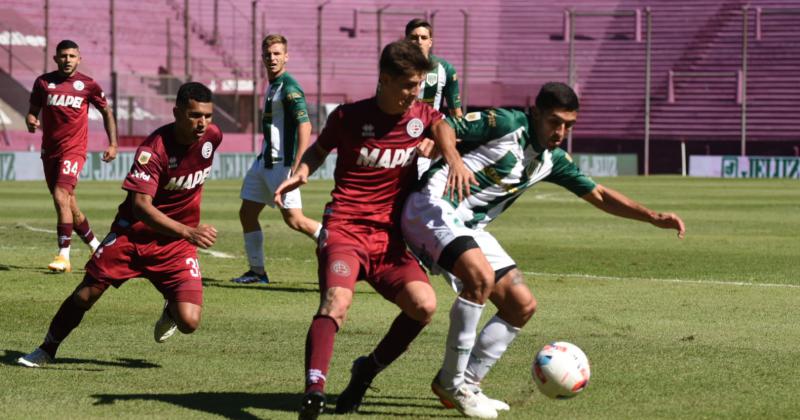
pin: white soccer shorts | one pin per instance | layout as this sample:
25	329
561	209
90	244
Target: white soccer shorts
430	223
260	183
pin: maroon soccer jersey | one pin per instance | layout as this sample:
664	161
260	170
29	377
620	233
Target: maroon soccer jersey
173	174
376	165
65	111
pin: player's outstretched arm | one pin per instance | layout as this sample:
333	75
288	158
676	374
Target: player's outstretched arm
32	119
203	236
111	131
460	178
618	204
312	159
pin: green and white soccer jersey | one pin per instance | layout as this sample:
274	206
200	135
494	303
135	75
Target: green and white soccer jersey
440	84
284	111
497	146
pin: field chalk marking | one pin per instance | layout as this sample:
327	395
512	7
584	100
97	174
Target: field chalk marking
34	229
217	254
684	281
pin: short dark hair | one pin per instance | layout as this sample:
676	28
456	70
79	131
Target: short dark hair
192	91
416	23
557	95
65	45
403	58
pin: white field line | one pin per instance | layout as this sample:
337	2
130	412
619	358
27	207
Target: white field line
217	254
35	229
683	281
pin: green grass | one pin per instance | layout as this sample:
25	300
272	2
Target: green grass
706	327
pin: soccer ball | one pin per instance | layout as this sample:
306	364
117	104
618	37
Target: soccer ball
561	370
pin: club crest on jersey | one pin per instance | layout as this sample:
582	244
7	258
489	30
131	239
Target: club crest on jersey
78	85
207	149
415	127
51	85
386	158
367	130
173	162
432	78
144	157
340	268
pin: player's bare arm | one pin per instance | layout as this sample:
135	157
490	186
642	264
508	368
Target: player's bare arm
303	140
312	159
459	178
111	130
203	236
32	119
616	203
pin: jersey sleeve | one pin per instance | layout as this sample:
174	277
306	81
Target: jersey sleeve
38	95
329	137
451	92
97	97
145	172
296	104
483	126
567	174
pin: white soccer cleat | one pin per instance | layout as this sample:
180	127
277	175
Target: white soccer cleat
35	359
60	265
463	400
491	402
165	326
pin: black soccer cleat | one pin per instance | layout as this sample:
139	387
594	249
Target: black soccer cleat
312	406
350	399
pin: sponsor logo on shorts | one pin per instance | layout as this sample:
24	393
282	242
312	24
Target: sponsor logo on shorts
415	127
340	268
207	149
78	85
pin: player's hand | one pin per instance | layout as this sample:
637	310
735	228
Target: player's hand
203	236
459	180
32	122
670	221
110	153
427	149
290	184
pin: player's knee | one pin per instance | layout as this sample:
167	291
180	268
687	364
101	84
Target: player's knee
425	311
336	304
83	299
188	324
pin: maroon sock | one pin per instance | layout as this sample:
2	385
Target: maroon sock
68	317
64	232
403	331
319	351
84	231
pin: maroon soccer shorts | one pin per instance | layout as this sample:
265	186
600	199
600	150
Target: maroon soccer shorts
62	170
349	252
171	267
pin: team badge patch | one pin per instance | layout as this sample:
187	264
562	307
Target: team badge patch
207	149
51	85
78	85
340	268
415	127
432	79
144	157
472	116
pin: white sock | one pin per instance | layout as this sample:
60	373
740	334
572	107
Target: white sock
254	247
489	348
464	318
316	232
94	244
64	252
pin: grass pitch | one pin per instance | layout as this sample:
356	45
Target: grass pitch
706	327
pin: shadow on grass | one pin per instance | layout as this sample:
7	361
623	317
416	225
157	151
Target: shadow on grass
236	404
11	356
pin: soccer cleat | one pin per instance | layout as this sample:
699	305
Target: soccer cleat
491	402
60	265
35	359
464	400
312	406
251	277
350	399
165	326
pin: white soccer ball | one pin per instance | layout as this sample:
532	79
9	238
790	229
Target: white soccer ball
561	370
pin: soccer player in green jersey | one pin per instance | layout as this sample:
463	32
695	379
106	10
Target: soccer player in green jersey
440	83
508	155
287	134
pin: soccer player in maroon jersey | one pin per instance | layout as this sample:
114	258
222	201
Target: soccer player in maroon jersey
376	140
157	227
63	98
